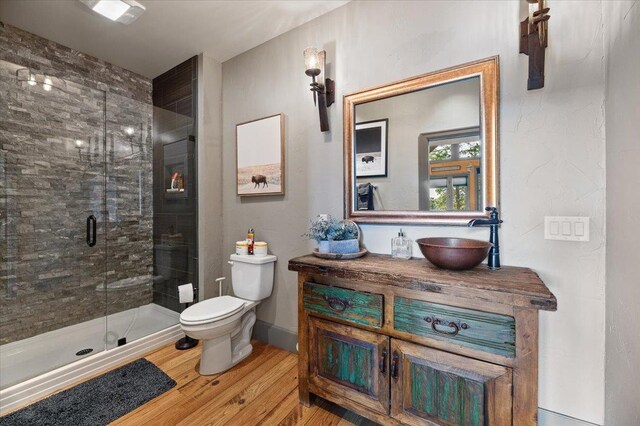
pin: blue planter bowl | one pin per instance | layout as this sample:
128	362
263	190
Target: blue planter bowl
341	247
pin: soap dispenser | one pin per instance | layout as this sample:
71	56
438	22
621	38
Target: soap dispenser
401	246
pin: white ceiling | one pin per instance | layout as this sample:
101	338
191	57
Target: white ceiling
169	31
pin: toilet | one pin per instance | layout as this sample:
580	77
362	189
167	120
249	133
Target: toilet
224	323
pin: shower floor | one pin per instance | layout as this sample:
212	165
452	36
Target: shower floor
28	358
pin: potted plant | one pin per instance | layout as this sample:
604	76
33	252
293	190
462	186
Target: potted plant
334	236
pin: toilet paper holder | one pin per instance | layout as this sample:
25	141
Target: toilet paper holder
187	293
188	342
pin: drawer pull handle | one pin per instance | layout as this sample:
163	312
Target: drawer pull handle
455	325
337	304
394	365
383	361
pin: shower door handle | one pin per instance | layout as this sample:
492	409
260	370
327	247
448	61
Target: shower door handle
91	230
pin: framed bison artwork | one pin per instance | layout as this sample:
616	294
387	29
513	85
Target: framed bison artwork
260	156
371	148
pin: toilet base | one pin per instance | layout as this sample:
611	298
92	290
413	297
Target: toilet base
222	353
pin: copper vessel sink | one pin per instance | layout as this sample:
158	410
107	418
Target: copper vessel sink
458	254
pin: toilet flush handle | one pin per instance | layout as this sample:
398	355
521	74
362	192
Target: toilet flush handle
219	281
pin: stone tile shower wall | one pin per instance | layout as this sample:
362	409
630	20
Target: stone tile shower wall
129	189
49	277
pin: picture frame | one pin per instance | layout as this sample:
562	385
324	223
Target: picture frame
370	148
260	157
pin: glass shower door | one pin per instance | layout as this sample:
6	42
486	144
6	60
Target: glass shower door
131	311
52	209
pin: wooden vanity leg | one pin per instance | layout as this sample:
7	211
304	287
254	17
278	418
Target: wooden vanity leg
525	373
303	346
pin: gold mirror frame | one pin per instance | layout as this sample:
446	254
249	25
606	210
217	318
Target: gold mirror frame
488	70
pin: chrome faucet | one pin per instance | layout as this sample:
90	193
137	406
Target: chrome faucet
493	222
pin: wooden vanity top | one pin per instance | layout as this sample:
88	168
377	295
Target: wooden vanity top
509	285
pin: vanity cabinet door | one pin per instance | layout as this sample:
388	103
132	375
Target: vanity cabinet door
430	386
350	363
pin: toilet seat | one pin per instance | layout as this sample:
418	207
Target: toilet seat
210	310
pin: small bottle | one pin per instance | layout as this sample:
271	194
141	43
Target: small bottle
401	246
250	238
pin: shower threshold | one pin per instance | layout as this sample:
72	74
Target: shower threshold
37	366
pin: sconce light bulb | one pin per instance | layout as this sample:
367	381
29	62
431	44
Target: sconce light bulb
46	85
32	80
129	131
311	61
79	143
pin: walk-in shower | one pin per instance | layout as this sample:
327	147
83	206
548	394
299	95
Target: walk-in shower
76	223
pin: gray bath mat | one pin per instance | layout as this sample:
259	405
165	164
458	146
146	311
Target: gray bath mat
99	400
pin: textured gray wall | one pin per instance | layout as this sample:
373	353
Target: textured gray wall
551	146
211	253
622	373
49	277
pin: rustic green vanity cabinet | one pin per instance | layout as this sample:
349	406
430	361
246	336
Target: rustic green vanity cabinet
402	342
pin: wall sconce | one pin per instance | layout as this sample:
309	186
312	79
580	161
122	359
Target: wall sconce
25	75
79	146
533	40
84	150
323	88
47	84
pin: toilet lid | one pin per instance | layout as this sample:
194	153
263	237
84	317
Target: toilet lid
210	309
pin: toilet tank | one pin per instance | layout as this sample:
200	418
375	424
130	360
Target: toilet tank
252	276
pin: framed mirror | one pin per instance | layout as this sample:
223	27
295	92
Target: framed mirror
424	150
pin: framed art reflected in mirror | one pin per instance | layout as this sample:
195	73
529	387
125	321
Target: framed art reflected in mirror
370	148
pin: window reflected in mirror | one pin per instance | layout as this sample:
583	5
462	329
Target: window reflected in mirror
450	170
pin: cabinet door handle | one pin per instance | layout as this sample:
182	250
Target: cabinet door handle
456	326
394	365
336	303
383	361
91	231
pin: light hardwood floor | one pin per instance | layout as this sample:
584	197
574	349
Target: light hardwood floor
261	390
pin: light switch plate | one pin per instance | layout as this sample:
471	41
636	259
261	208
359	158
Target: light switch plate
566	228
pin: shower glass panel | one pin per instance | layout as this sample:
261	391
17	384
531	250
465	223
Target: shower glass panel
129	194
52	245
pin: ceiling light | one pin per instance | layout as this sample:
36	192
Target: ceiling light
123	11
112	9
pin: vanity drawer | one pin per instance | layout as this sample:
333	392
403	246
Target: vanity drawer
349	305
485	331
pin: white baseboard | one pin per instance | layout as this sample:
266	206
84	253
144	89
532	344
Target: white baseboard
37	387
